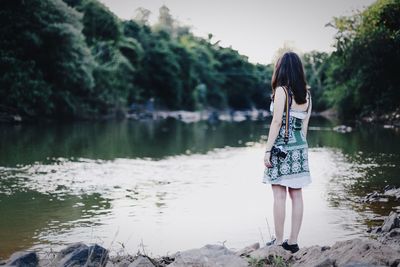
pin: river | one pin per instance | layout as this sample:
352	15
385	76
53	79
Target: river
163	186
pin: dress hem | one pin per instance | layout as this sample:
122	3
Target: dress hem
300	183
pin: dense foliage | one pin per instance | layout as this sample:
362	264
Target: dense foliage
315	66
361	77
75	58
46	66
363	73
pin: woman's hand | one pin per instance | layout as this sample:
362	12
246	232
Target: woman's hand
267	161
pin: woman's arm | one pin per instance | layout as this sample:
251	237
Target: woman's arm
304	127
279	105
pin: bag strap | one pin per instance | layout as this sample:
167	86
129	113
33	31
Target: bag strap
287	106
309	100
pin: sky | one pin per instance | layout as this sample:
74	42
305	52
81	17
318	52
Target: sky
256	28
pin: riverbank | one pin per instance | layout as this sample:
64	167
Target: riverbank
381	249
210	115
387	120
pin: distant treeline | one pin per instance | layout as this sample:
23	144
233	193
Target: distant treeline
76	59
362	76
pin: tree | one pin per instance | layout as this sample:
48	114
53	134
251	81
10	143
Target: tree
238	77
142	15
363	74
47	63
76	59
100	24
316	65
117	57
165	20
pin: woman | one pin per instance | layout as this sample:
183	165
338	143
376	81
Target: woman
292	171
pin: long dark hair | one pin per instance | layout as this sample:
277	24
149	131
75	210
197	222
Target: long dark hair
289	72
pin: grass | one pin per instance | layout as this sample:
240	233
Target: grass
278	261
272	260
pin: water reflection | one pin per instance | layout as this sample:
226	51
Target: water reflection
369	158
26	144
27	213
165	181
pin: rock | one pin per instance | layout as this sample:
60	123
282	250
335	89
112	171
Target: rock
342	129
389	232
121	261
247	250
9	118
312	256
394	233
382	197
326	263
357	252
391	222
361	264
325	248
165	260
141	261
208	256
354	252
364	251
374	196
393	192
391	239
376	230
267	252
23	259
79	254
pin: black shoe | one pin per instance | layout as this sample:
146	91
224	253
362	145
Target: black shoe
292	248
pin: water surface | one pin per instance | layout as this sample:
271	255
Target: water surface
167	185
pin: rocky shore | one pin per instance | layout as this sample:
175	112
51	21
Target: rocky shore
381	249
388	192
387	120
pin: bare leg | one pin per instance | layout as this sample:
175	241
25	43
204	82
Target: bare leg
279	211
297	213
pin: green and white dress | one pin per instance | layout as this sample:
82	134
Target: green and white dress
293	171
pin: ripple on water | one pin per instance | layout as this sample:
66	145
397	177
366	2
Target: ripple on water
179	201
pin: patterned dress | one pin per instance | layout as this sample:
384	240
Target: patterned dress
292	171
